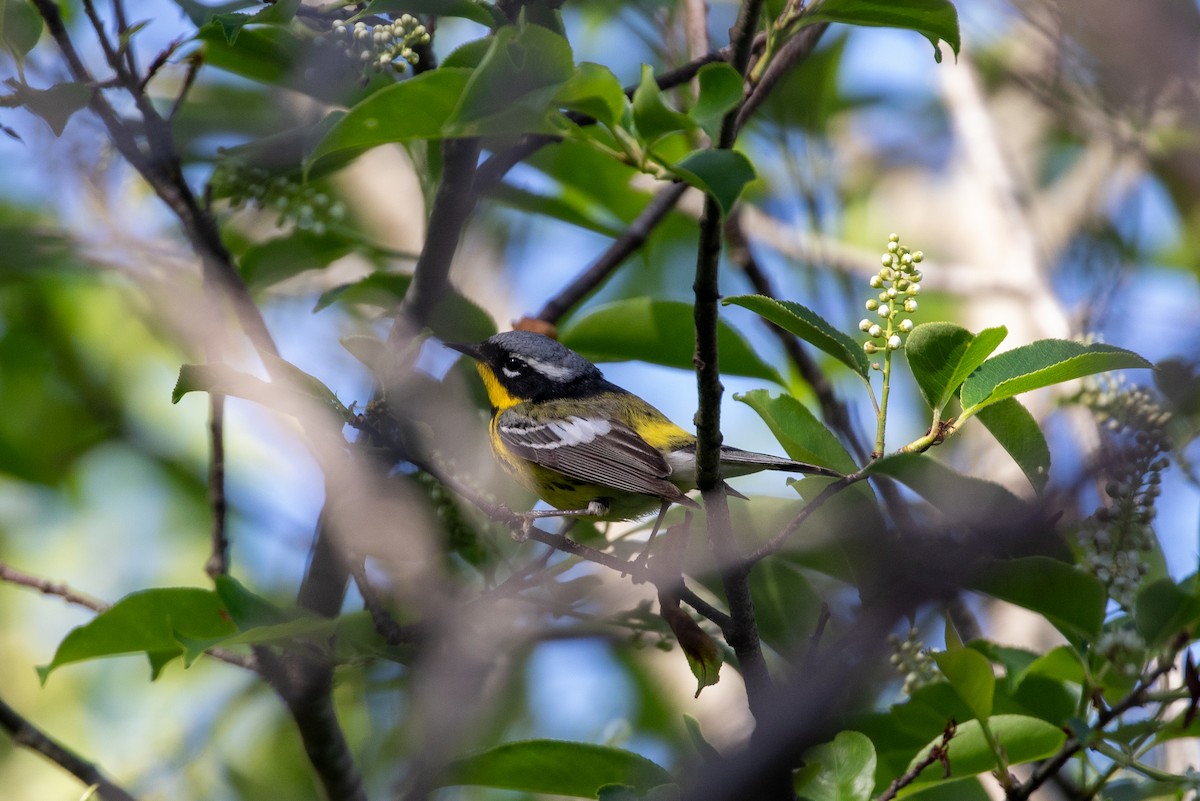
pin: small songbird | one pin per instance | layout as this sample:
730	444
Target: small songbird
586	446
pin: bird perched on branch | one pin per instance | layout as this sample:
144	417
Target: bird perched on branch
586	446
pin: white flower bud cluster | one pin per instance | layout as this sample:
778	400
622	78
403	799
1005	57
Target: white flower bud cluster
1114	541
899	283
383	46
912	659
1123	649
298	203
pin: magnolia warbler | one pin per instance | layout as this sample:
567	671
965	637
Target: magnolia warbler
586	446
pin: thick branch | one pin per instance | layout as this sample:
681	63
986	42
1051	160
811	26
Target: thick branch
25	734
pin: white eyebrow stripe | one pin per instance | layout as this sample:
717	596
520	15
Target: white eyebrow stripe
555	372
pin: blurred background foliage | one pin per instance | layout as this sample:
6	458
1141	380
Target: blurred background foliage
1050	174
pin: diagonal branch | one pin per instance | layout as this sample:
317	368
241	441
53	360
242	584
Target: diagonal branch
25	734
632	238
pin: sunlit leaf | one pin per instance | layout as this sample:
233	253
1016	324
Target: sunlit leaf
802	436
1023	739
936	20
652	115
593	90
809	326
721	89
152	622
1041	364
483	13
942	355
970	674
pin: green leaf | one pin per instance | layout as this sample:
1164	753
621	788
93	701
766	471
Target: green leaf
54	105
556	767
652	116
414	109
659	332
1060	664
1163	610
845	769
1041	364
967	500
721	173
20	27
970	674
594	90
942	355
785	603
1018	433
246	609
381	289
512	89
280	258
802	436
483	13
936	20
1073	601
151	621
1024	739
721	89
809	326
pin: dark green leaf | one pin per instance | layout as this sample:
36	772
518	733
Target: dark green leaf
54	105
593	90
150	621
1070	599
1024	739
844	769
246	609
970	674
660	332
652	115
1163	610
569	207
381	289
512	89
277	259
483	13
721	173
942	355
809	326
701	650
556	767
414	109
20	27
964	499
1041	364
721	90
1061	664
786	605
802	436
1018	433
934	19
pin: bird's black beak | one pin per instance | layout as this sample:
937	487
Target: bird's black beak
470	349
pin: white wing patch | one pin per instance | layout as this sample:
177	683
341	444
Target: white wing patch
559	433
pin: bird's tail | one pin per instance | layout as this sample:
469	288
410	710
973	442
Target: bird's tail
737	462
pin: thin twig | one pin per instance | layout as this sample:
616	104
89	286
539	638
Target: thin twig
48	587
776	543
387	627
1075	744
25	734
939	753
794	50
632	238
218	560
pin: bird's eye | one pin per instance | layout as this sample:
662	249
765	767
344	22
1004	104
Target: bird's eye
513	366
